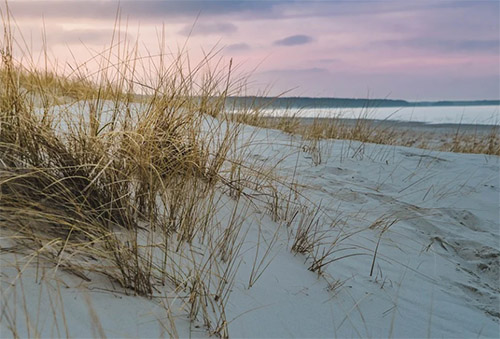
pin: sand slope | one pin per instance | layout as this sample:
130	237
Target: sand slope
434	216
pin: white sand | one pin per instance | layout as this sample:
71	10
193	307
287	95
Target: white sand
436	273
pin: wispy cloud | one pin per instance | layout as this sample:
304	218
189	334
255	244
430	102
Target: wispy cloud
294	40
444	45
238	47
328	60
298	71
209	29
86	36
95	9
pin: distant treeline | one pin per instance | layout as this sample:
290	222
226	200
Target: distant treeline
299	102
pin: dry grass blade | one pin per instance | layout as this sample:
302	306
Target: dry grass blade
123	179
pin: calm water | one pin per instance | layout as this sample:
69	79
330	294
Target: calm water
484	115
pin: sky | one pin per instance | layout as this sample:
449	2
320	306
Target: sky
400	49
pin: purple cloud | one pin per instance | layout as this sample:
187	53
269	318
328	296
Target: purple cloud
96	9
464	45
209	29
294	40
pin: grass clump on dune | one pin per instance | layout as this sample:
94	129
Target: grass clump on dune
121	179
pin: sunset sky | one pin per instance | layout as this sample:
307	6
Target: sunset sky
414	50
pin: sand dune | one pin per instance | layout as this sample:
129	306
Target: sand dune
432	218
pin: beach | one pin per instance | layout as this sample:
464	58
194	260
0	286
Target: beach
406	241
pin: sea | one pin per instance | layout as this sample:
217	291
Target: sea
479	112
463	115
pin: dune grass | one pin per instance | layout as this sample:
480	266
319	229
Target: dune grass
122	172
119	184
